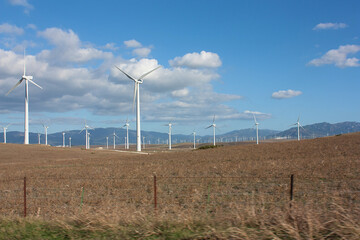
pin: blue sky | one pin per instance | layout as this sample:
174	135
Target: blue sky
274	59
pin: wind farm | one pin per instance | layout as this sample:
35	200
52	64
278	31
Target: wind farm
224	120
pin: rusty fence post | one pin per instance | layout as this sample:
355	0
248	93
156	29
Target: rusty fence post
24	196
155	193
291	189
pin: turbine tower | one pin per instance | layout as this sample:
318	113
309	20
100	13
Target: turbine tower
298	128
107	142
127	133
137	82
5	128
45	128
170	125
63	139
257	129
39	134
27	80
69	142
194	133
214	126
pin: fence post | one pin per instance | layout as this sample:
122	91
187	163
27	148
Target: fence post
291	188
155	193
24	196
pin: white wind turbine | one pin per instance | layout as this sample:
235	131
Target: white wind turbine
298	127
137	82
194	133
88	140
5	128
45	128
69	142
39	134
170	125
27	80
214	126
114	136
127	133
257	129
107	142
86	127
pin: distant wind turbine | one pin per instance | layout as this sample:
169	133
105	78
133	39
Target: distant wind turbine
5	128
213	125
107	142
39	134
298	127
194	133
27	80
86	127
127	133
88	140
257	129
170	125
115	136
137	82
63	139
69	142
45	128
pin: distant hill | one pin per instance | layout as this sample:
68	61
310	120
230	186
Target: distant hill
319	130
98	135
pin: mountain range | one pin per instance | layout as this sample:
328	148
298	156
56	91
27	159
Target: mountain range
98	135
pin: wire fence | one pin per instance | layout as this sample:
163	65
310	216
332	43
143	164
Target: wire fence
66	196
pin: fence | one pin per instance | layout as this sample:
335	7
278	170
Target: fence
65	196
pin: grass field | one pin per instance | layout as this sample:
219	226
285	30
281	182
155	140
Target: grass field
234	191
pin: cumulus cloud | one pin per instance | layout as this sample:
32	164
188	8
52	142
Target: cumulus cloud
142	52
325	26
132	43
7	28
110	46
98	87
285	94
197	60
339	57
68	48
22	3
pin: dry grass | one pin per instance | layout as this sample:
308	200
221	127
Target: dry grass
235	191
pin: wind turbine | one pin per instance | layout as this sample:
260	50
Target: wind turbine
194	133
127	133
63	139
214	126
69	142
39	134
137	82
88	140
114	135
27	80
298	127
170	125
107	142
257	129
45	128
5	128
86	127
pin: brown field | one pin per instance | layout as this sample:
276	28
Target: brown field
235	186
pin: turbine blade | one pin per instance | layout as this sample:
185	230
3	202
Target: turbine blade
35	84
214	119
209	127
127	74
254	118
298	118
17	84
144	75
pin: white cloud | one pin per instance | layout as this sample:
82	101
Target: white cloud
111	46
10	29
31	26
339	57
142	52
68	48
197	60
180	93
324	26
132	43
22	3
285	94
